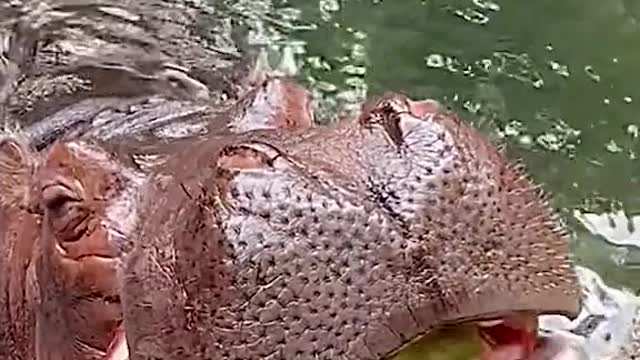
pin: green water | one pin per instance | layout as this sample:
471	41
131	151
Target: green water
556	80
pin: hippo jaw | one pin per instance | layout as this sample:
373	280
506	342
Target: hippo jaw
351	241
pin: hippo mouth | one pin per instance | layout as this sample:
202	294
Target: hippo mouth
512	337
508	338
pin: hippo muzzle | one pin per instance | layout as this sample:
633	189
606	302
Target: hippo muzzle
339	243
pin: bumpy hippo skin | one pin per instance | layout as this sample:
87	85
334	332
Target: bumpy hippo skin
66	213
338	243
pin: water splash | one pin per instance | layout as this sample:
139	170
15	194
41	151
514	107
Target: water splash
607	328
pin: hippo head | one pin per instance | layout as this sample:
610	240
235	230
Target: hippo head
87	203
341	243
66	216
64	236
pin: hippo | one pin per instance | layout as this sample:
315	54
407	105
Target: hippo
101	89
346	242
232	239
65	208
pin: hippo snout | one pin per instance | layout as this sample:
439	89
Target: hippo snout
349	241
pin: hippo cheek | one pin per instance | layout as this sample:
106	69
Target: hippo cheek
80	305
84	195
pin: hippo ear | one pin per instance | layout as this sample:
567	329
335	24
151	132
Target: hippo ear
17	163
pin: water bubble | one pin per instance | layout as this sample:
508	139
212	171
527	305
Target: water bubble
473	16
359	35
325	86
358	53
562	70
526	140
549	141
513	128
471	107
435	61
538	83
487	4
613	147
354	70
591	73
484	64
518	67
329	6
452	64
316	62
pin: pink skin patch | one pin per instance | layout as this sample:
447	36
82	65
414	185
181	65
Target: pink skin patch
118	349
421	109
515	338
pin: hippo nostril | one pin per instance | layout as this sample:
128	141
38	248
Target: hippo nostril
67	213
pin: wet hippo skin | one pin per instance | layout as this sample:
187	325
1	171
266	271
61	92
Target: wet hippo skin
337	243
66	212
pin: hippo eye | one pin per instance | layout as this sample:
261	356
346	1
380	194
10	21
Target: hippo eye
56	196
67	213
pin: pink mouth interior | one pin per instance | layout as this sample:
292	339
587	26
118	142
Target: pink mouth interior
513	338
